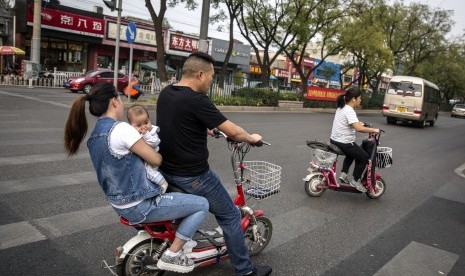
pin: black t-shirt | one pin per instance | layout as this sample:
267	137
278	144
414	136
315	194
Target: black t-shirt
183	116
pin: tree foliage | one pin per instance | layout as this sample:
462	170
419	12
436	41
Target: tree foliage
158	18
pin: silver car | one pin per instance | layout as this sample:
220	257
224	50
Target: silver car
458	110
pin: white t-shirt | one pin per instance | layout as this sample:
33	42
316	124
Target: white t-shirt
343	131
122	138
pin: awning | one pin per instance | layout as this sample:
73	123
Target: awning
152	65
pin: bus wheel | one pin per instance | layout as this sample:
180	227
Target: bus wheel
391	121
422	123
433	122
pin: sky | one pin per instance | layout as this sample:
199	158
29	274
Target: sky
189	21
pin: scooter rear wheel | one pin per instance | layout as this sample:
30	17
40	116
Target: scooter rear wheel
380	188
133	264
314	186
264	231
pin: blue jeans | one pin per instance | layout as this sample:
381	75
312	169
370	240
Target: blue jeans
193	209
227	214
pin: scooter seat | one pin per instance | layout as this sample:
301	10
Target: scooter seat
335	149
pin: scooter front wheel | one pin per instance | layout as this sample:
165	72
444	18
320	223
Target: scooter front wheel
134	263
379	189
315	185
264	233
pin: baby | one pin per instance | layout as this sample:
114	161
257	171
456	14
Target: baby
138	117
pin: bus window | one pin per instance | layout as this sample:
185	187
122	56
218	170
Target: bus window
406	89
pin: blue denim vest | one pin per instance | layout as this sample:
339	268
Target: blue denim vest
123	179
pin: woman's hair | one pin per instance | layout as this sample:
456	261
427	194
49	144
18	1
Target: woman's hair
76	125
351	93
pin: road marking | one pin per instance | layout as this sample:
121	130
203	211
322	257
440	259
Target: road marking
35	99
452	191
20	233
36	158
419	259
74	222
30	130
16	234
307	219
460	170
31	184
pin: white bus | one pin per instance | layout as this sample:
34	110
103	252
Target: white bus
411	99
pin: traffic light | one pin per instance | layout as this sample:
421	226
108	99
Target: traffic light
111	4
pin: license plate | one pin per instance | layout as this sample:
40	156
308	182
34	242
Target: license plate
401	109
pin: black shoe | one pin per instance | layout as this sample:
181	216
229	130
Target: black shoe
261	270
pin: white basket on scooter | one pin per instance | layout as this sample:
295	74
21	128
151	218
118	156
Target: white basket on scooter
261	179
324	159
384	157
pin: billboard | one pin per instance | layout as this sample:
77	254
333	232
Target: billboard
323	94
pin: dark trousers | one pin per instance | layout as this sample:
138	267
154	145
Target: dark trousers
353	152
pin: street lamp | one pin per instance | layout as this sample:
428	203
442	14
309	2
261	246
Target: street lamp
111	4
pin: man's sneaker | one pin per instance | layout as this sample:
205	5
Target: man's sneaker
343	178
357	185
261	270
180	263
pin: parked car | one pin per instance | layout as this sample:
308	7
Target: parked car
86	81
458	110
50	74
259	84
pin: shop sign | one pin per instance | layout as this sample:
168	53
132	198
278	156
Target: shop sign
143	36
68	22
183	43
254	69
282	73
323	94
240	53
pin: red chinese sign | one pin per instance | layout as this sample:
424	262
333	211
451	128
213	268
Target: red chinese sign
183	43
68	22
323	94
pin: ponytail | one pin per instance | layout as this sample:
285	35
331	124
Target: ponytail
76	125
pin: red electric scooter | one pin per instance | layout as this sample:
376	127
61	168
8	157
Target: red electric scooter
254	179
322	169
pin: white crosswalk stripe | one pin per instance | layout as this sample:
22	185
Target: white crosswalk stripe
29	184
419	259
36	158
20	233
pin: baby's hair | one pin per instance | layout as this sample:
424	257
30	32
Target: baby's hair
136	110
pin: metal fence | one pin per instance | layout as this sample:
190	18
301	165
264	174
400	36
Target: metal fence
220	88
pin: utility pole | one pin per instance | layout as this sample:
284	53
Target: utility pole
203	42
35	45
111	4
118	30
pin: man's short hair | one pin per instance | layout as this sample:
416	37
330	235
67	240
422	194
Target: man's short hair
197	61
136	110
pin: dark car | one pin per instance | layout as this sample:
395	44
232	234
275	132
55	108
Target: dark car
86	81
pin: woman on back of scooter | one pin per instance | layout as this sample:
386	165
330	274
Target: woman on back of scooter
345	125
118	153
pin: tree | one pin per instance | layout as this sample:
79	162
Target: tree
158	20
263	23
447	71
412	33
319	18
233	7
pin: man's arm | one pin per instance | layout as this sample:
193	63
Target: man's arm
238	134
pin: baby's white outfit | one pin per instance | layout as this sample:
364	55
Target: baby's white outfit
152	139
